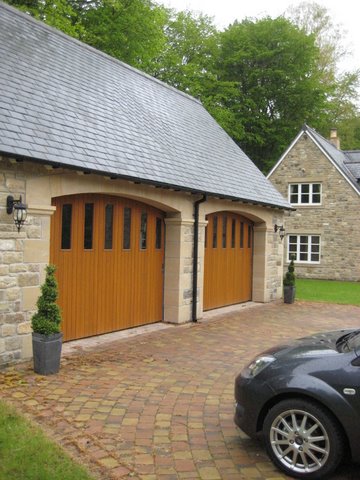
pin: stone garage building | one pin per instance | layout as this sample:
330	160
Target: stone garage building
146	206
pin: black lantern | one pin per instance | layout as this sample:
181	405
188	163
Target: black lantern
281	230
18	209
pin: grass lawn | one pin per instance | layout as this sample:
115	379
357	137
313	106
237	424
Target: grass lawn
26	454
328	291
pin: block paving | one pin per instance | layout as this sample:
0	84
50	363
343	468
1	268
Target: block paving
159	406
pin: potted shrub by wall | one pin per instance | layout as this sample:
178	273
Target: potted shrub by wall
289	283
46	337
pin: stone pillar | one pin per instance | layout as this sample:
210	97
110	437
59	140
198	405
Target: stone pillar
259	263
267	265
201	262
23	258
178	270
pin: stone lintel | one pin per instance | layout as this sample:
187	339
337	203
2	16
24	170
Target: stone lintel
39	210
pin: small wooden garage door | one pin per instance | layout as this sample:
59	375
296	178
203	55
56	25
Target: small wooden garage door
228	260
109	254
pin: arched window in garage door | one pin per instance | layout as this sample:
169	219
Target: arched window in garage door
228	260
109	254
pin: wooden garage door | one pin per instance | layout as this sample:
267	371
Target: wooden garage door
109	254
228	260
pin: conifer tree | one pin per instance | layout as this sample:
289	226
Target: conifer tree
289	279
48	317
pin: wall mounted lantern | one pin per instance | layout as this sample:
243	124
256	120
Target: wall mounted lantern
18	209
281	230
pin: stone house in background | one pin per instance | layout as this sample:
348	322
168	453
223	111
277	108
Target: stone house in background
146	206
322	183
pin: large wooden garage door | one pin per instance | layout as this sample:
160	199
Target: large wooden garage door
228	260
109	254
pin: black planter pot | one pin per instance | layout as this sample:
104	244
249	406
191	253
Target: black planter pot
289	294
46	353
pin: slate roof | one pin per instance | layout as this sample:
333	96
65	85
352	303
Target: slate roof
65	103
348	162
353	162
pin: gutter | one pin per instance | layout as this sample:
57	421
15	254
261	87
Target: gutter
145	181
196	256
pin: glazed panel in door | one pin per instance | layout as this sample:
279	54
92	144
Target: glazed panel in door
109	254
228	260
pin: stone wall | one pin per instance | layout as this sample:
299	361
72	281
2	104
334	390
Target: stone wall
336	220
21	271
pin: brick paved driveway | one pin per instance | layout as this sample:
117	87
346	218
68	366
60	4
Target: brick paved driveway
160	405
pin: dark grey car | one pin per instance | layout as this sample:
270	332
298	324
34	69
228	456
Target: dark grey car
304	399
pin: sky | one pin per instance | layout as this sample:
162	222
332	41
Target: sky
344	13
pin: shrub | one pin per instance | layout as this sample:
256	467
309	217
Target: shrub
289	278
47	319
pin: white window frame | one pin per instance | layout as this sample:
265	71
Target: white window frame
311	193
301	248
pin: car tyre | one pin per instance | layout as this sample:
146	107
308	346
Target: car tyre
303	439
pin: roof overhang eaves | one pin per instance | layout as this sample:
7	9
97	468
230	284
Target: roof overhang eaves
144	181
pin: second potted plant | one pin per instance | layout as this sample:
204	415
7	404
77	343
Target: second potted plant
289	283
46	337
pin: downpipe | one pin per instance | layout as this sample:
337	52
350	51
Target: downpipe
196	257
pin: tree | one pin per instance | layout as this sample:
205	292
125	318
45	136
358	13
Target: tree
130	30
349	133
47	319
316	20
274	65
289	278
220	98
187	60
343	87
56	13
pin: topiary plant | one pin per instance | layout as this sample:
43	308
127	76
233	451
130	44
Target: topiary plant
289	278
48	317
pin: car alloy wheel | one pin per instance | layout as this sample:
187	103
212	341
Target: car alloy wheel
303	439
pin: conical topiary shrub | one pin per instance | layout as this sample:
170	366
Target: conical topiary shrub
48	318
47	339
289	283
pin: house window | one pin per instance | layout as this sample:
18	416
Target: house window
304	248
305	193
